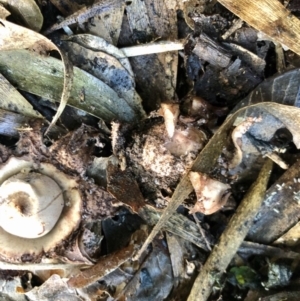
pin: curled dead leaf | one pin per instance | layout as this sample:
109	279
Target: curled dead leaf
236	136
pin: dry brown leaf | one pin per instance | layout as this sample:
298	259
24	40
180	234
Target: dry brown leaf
270	17
124	188
104	266
290	238
27	10
67	88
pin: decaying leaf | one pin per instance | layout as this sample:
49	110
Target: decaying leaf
211	194
226	74
236	136
12	100
55	288
279	274
103	267
287	295
83	15
156	84
108	25
155	275
124	187
12	124
192	8
280	209
179	225
46	79
109	70
68	7
14	37
27	10
282	88
98	44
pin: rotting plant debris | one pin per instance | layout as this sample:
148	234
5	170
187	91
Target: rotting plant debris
153	168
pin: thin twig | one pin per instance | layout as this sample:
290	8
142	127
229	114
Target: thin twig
201	231
237	23
40	266
157	47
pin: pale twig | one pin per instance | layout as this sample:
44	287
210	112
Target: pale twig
237	23
150	48
40	266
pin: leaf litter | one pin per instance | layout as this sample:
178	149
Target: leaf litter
157	159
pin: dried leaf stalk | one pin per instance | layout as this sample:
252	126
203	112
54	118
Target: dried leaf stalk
232	237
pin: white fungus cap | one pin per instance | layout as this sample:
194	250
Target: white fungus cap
31	204
13	247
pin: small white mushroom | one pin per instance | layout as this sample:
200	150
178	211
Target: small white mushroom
31	204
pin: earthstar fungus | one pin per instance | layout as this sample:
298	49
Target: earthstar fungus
40	207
